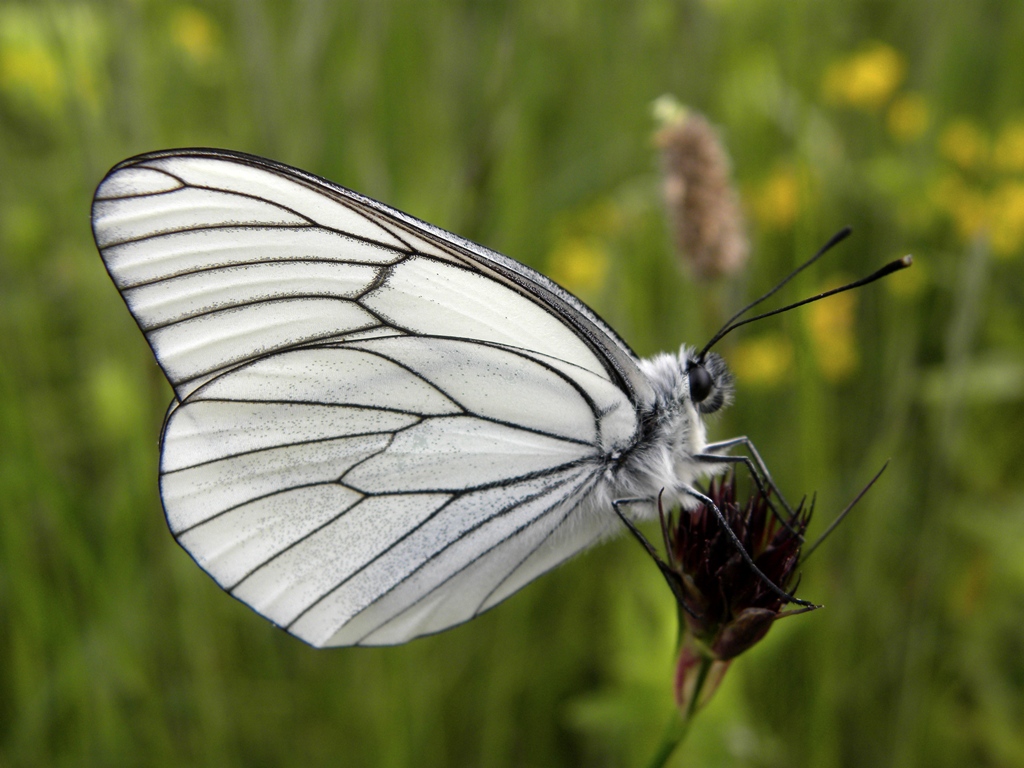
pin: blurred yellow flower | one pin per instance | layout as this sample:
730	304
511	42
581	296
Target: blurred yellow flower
1000	214
579	264
51	55
964	143
1006	230
831	324
195	34
1008	154
966	205
907	118
762	361
866	79
776	201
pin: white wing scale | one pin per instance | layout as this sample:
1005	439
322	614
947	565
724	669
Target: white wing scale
380	429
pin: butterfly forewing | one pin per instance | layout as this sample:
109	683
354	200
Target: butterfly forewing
380	429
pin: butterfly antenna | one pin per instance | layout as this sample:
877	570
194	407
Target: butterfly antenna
833	241
888	269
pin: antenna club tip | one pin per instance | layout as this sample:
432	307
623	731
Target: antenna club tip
838	237
907	260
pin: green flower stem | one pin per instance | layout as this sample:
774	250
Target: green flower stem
678	726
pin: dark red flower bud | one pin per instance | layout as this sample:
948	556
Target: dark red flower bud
743	632
725	607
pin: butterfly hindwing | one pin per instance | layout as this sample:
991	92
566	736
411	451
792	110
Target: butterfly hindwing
380	429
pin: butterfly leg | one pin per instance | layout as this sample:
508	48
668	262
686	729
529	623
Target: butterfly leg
717	458
673	578
740	548
616	504
747	443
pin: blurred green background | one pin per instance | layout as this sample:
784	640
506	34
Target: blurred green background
527	126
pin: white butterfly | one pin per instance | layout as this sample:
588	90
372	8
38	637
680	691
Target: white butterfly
381	430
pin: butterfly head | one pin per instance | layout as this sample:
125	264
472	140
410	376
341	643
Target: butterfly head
710	383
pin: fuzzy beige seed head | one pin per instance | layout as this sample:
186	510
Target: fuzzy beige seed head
703	207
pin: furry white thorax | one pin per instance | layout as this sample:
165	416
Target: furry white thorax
673	433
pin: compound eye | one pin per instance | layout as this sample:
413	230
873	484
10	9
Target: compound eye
701	383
